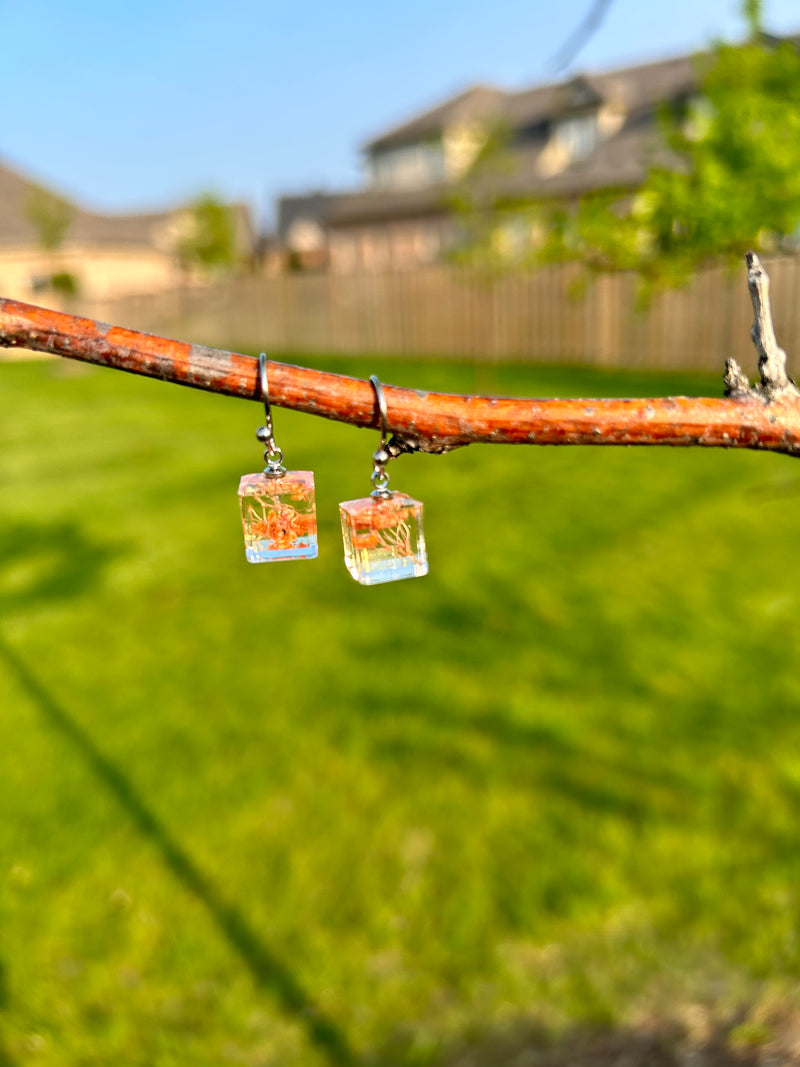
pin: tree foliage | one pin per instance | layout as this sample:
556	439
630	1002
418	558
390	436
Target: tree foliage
729	180
207	240
50	216
735	180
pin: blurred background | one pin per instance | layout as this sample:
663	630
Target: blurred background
538	808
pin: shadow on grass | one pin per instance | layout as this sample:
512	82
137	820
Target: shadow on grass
433	737
41	564
665	1046
5	1056
269	972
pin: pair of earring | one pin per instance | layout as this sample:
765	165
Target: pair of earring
382	533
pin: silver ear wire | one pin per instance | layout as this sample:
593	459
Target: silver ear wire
273	456
375	382
380	479
264	387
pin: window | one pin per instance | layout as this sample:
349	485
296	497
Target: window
578	135
305	235
410	166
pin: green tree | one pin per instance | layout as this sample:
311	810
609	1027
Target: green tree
208	238
731	181
49	215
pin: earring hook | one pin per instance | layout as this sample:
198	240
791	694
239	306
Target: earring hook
264	387
273	456
380	479
375	382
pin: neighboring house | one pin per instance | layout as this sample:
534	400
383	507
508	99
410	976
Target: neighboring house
303	224
590	132
106	255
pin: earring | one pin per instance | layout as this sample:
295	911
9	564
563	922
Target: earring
382	532
278	510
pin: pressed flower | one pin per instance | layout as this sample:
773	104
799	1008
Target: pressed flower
278	516
383	538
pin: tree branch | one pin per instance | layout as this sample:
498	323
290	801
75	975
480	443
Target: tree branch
771	358
767	417
775	383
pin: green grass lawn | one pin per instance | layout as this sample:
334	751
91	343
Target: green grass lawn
261	815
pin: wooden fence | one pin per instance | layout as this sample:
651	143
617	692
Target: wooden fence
442	311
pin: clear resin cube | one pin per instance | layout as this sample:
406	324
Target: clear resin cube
383	538
279	516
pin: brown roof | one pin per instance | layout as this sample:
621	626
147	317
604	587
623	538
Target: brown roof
531	106
86	227
16	227
631	88
644	86
621	161
14	193
477	101
369	206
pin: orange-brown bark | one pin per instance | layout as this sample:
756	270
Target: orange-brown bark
430	421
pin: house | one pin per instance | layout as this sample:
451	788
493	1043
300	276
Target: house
45	239
564	139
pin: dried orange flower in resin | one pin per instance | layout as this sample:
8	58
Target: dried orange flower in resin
382	532
279	516
383	538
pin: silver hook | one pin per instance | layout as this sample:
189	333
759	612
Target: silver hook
380	479
273	455
264	388
375	382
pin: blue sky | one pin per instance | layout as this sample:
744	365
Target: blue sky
135	106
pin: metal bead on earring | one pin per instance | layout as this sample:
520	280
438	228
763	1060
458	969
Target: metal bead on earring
382	533
278	508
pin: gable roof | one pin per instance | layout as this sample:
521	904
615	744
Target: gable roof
15	190
85	226
620	160
317	207
631	88
476	101
144	230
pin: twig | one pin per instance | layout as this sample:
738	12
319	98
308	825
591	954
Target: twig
775	382
767	417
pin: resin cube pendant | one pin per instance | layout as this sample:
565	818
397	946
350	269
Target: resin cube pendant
279	516
383	538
